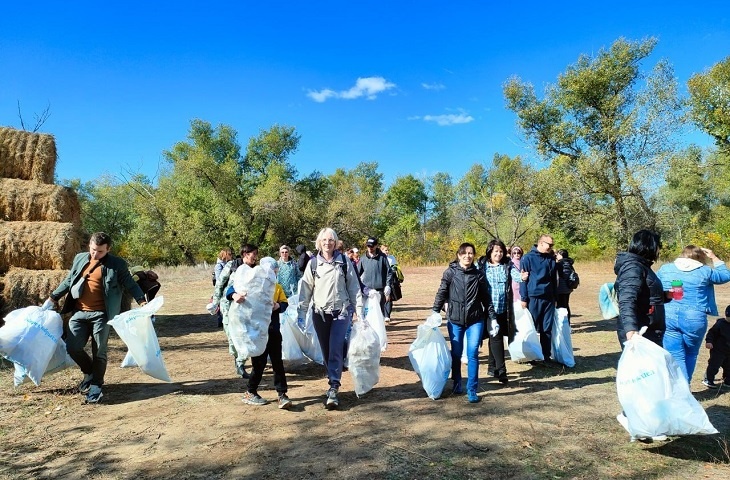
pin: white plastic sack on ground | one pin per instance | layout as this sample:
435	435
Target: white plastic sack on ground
430	356
29	338
655	395
525	347
374	316
291	352
364	357
248	322
607	301
60	360
562	345
135	329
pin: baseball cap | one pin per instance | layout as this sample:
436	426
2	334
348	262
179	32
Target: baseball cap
372	241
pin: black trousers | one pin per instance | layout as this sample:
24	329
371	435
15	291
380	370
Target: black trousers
718	358
496	345
273	350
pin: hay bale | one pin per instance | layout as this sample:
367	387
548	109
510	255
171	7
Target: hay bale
38	245
27	155
20	287
28	201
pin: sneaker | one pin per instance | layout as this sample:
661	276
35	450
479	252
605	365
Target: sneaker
284	402
490	372
503	380
332	402
472	397
387	320
94	395
253	399
85	384
709	383
456	389
656	438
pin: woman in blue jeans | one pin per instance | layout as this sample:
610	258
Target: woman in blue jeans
464	288
686	319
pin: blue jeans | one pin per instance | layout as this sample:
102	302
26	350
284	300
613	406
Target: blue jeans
331	331
684	337
473	335
81	326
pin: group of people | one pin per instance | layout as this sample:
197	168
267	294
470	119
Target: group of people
673	303
480	297
340	283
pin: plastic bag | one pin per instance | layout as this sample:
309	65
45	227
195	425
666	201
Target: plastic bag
654	393
364	357
291	352
374	316
248	322
561	346
430	357
607	301
29	338
525	347
135	329
60	360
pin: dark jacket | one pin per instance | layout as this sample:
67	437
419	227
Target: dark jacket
303	258
375	272
543	280
116	277
719	336
640	294
565	269
465	290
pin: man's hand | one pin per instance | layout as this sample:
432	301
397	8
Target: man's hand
525	275
630	334
524	304
708	346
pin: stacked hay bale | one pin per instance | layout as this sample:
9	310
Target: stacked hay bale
40	225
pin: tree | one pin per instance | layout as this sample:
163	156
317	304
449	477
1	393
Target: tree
612	124
709	99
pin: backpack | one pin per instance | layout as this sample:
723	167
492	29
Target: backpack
343	265
398	273
573	280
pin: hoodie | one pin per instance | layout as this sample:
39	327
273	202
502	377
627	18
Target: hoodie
543	280
698	282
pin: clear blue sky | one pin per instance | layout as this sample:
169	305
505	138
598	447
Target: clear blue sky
415	86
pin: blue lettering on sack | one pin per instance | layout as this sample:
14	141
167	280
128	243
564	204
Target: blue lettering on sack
42	329
644	375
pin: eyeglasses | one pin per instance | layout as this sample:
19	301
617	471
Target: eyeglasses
548	244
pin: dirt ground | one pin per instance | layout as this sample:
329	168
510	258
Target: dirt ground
548	423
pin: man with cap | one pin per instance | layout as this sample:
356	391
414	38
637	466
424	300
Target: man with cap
374	271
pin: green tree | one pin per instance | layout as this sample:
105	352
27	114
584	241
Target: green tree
709	100
612	124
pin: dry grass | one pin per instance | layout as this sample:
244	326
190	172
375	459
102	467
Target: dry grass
27	155
20	287
38	245
548	424
28	201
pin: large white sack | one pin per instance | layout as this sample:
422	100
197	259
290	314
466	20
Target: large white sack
60	360
654	393
29	338
374	316
561	345
430	357
525	347
364	357
248	322
291	352
135	329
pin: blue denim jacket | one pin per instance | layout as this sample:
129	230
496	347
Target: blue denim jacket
699	284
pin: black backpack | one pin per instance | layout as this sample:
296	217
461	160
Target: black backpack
343	265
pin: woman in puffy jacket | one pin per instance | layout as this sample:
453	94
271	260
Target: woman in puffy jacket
464	288
687	317
641	296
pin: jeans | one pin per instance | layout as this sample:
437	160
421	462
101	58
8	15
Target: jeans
331	331
684	336
473	335
543	313
81	326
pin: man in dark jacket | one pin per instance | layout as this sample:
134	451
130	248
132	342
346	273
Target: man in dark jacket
94	289
539	293
375	273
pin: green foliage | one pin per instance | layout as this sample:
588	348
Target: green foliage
709	99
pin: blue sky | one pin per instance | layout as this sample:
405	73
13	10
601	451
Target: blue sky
414	86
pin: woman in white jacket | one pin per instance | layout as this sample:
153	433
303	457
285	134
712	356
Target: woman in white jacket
330	281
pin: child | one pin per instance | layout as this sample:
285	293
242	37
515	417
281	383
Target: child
718	342
273	348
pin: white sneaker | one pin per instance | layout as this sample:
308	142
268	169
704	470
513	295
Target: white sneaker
387	319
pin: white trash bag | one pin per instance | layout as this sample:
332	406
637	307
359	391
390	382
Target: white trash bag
654	393
561	346
29	338
60	360
364	357
248	322
430	357
525	347
374	316
135	329
291	352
